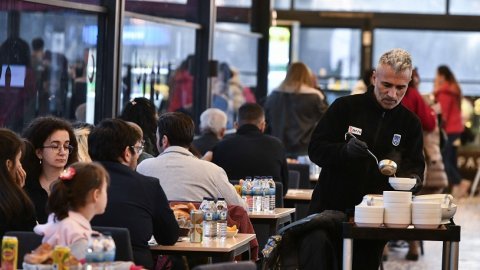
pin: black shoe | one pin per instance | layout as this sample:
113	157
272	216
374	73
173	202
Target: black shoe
411	257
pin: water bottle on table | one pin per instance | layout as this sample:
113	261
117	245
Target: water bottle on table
222	213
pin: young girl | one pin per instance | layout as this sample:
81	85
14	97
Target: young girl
76	197
17	212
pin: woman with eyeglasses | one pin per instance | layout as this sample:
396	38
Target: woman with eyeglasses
16	209
53	147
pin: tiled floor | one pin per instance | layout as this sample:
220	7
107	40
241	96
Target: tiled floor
467	216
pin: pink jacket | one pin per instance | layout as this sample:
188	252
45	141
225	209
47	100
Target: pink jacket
69	230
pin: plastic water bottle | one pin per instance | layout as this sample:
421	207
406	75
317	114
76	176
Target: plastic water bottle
209	222
265	194
271	186
109	247
222	213
204	203
257	194
247	193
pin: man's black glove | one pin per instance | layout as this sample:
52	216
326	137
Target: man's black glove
356	148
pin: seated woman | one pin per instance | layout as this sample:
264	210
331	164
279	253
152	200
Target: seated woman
17	212
77	196
53	148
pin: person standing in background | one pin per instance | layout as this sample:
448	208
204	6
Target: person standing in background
448	94
294	108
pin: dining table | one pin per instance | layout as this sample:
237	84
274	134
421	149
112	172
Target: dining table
218	249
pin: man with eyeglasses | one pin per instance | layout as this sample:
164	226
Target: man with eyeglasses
135	201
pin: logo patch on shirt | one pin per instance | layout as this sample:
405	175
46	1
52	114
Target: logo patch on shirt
355	130
396	139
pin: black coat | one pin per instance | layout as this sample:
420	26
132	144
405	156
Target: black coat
394	134
138	202
249	152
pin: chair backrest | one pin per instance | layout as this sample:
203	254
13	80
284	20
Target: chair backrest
242	265
293	179
304	170
123	245
278	194
27	241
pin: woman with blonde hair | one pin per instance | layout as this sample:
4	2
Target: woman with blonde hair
294	108
82	130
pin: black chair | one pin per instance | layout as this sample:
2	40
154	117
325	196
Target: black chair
123	245
242	265
293	179
27	241
304	170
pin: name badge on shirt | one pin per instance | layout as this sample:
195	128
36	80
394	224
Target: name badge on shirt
355	130
396	139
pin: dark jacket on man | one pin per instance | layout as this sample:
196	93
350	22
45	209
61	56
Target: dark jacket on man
249	152
138	203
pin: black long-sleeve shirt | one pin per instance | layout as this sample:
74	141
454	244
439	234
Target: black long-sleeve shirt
138	203
394	134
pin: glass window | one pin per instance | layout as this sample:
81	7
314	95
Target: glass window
234	3
92	2
281	4
278	55
156	64
44	64
394	6
234	47
333	54
429	49
465	7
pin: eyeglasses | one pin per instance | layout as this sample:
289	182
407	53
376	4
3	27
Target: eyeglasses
139	149
59	148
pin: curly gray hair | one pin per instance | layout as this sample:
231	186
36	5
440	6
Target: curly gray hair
399	59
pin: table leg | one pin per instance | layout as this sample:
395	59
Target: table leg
450	255
347	253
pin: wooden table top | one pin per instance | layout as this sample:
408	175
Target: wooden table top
217	245
299	194
278	213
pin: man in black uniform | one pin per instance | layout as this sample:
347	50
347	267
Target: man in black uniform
378	122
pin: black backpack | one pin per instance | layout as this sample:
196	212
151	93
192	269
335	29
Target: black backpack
282	250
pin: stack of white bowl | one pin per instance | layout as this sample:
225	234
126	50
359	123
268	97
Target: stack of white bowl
446	201
397	206
368	216
426	215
